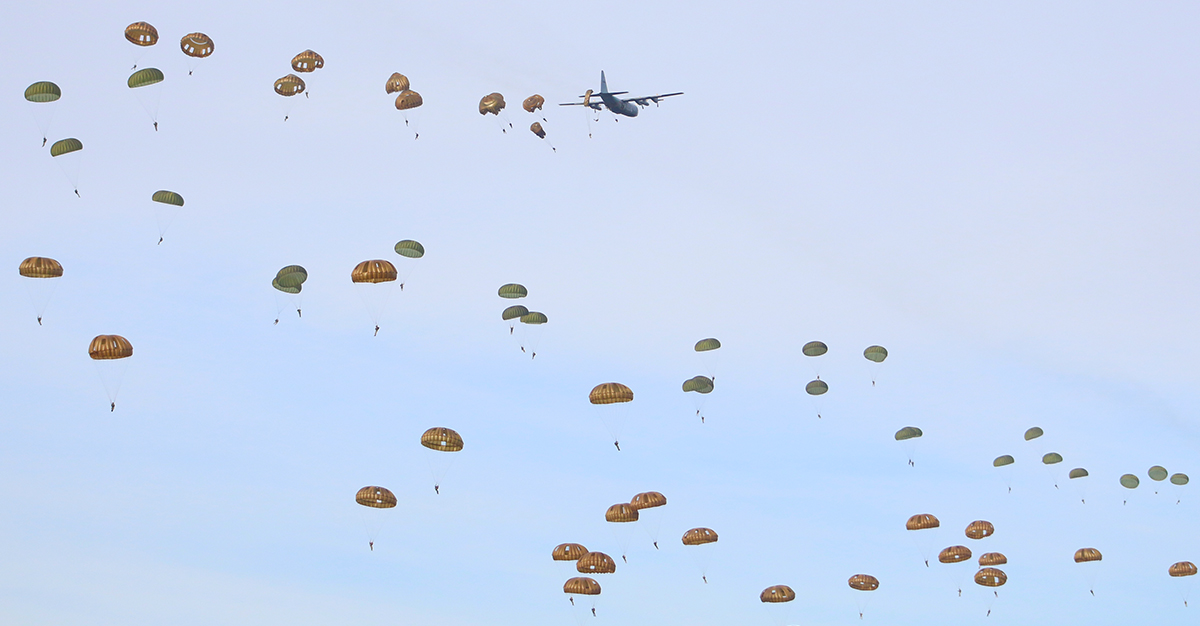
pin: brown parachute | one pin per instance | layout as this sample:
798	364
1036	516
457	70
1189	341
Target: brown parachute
196	45
568	552
533	103
648	500
289	86
777	593
141	34
1087	555
408	99
595	563
582	586
375	497
990	577
396	83
374	271
954	554
1181	569
40	267
307	61
536	128
864	582
610	393
979	529
699	536
620	513
442	440
922	521
492	103
108	347
992	558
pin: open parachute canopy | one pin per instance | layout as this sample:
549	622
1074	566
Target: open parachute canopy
1078	472
442	440
922	521
1157	473
492	103
534	317
40	267
1033	433
408	99
699	384
1129	481
291	276
289	86
43	91
954	554
777	593
875	354
863	582
196	45
512	291
109	347
410	249
396	83
610	393
1179	479
621	513
908	432
533	103
582	586
699	536
373	271
375	497
979	529
65	146
1087	555
307	61
1051	458
167	197
1003	460
513	312
816	387
145	77
814	348
992	558
536	128
141	34
990	577
704	345
285	289
1181	569
648	500
596	563
568	552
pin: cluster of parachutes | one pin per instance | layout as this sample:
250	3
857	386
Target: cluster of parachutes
519	313
291	85
406	98
702	385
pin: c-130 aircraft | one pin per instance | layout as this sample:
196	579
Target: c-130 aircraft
609	100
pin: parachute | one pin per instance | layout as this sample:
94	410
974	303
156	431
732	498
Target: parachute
699	384
1087	555
196	45
777	593
289	86
374	271
816	387
1050	458
814	348
980	529
1129	481
167	197
513	312
165	216
40	291
610	393
1157	473
533	103
699	536
410	249
863	582
292	276
141	34
596	563
65	146
1182	568
43	92
492	103
408	99
106	348
536	128
375	497
875	354
954	554
535	318
990	577
568	552
1078	472
922	521
582	586
442	440
992	558
142	82
288	290
908	432
289	280
397	82
307	61
647	500
513	290
621	513
1001	461
145	78
70	165
1033	433
704	345
1179	479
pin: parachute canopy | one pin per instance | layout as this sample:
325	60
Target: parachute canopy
492	103
864	582
922	521
648	500
1129	481
610	393
513	312
289	86
908	432
534	317
307	61
816	387
622	512
979	529
1050	458
777	593
375	497
814	348
410	249
167	197
43	91
536	128
992	558
513	291
875	353
374	271
582	586
1086	555
1033	433
954	554
1181	569
292	276
704	345
533	103
990	577
108	347
40	267
1078	472
295	289
65	146
141	34
595	563
1157	473
408	99
145	77
396	82
1001	461
699	536
196	45
568	552
442	440
699	384
1179	479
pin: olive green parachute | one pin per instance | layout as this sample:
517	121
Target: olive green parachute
65	146
699	384
397	82
292	276
1157	473
492	103
1001	461
410	249
408	99
536	128
1179	479
533	103
375	497
307	61
777	593
814	348
141	34
167	197
568	552
816	387
145	78
704	345
40	267
513	312
1078	472
442	440
908	432
1050	458
1033	433
289	86
43	91
513	290
1129	481
534	317
875	354
196	45
295	289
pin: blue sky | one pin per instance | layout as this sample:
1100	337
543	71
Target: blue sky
1002	195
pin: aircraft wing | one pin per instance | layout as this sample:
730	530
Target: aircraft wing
646	100
595	104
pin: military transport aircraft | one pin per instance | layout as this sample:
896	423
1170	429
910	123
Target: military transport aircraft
624	106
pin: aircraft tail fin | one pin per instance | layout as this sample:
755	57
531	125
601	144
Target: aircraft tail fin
603	83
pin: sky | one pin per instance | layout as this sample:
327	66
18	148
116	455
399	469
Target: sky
1002	194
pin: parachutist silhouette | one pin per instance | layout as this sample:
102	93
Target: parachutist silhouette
134	66
298	313
276	322
701	419
160	240
624	559
818	416
112	407
655	545
533	357
572	601
522	349
285	118
960	592
1093	592
593	611
926	562
401	286
1010	489
436	489
306	94
377	330
860	615
510	330
372	545
189	72
989	613
618	445
156	127
40	323
705	579
77	194
43	142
